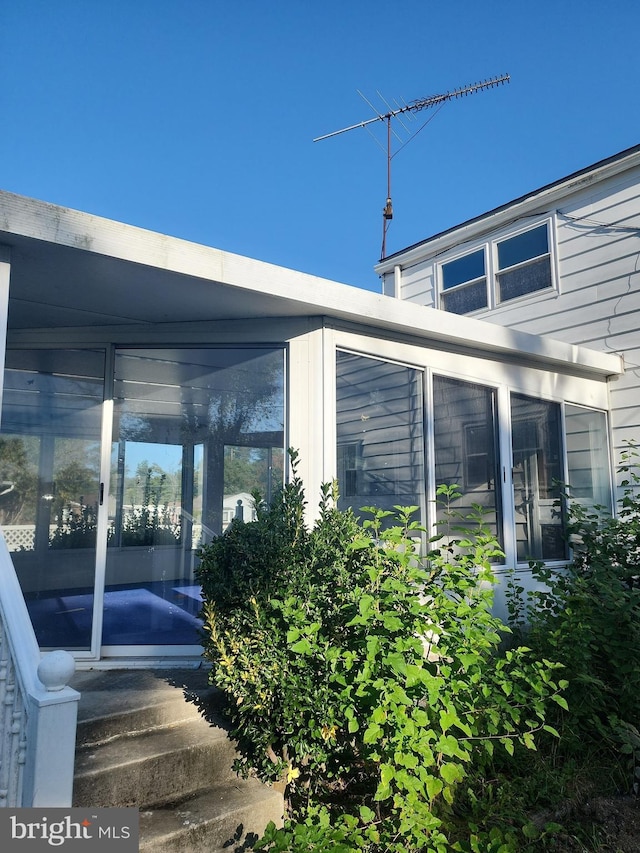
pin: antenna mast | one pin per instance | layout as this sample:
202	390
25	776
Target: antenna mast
412	107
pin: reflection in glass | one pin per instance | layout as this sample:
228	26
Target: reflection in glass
380	433
524	264
588	457
49	486
249	470
466	275
537	476
523	247
464	420
190	426
464	269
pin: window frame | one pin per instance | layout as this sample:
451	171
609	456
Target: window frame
490	246
499	271
444	292
491	372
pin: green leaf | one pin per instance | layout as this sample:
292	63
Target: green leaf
372	734
387	772
383	792
379	715
560	700
397	663
367	815
302	647
392	623
447	719
434	786
451	773
365	605
508	744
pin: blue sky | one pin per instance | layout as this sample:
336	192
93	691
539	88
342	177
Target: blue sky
196	117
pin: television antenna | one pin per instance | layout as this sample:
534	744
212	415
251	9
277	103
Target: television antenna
409	109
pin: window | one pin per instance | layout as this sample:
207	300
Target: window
524	264
464	283
508	454
537	476
465	442
588	457
380	439
349	456
498	271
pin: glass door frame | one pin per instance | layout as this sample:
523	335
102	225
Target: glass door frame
93	649
103	509
122	651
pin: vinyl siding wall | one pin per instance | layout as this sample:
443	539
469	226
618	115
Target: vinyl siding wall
597	303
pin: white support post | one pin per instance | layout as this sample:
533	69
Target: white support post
397	281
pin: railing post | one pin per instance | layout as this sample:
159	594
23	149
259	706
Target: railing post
51	734
38	741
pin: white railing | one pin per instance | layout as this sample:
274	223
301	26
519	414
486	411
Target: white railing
38	710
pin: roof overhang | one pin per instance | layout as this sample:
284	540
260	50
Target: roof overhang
75	270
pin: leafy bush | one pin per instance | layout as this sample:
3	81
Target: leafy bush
587	617
365	679
151	523
75	528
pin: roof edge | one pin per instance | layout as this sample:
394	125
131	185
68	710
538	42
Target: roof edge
45	222
608	167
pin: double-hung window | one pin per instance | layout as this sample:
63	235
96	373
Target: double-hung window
464	283
524	264
501	269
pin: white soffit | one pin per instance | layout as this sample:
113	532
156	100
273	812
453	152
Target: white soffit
234	286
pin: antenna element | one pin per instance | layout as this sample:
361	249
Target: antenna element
412	107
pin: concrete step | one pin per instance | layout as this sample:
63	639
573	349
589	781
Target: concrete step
156	740
224	818
152	767
122	702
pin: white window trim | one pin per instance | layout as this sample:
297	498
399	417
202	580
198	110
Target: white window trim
490	245
442	292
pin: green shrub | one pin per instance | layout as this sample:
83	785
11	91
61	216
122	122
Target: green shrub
365	679
75	528
587	617
149	524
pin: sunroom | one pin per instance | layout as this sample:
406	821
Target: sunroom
151	385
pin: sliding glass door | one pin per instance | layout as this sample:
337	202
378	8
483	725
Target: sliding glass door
194	432
106	552
50	487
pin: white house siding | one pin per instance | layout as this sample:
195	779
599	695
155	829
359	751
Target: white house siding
598	300
417	284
